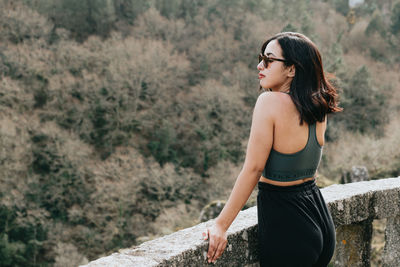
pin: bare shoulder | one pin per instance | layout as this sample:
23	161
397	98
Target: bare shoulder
270	97
275	97
271	101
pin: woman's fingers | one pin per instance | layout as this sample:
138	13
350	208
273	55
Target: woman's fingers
219	251
212	247
212	250
216	245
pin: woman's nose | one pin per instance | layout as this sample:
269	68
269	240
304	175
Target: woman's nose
260	66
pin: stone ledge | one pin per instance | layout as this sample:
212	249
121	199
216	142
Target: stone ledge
348	203
187	247
356	202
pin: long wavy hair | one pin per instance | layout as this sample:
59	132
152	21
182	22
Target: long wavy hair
313	95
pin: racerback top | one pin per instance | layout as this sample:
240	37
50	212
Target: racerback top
290	167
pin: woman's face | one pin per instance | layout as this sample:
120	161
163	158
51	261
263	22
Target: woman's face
276	75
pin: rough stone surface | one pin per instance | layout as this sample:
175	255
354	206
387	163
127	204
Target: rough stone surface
356	202
353	244
187	247
354	205
391	251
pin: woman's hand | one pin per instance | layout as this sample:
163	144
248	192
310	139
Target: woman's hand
217	240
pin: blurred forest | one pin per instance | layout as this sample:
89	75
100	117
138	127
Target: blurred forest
121	119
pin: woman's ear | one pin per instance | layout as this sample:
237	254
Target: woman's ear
292	71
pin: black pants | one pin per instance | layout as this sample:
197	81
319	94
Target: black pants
295	228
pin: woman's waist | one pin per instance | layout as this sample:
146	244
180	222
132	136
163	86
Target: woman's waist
304	185
286	183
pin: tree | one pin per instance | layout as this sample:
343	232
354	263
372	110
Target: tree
395	19
376	25
129	10
81	17
364	107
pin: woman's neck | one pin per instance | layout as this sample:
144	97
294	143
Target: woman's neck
284	88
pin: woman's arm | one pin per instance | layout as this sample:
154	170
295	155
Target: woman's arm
258	148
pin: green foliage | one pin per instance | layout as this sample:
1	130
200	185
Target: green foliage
59	185
81	17
341	6
208	58
21	238
122	104
171	9
289	28
369	7
40	94
376	25
395	19
333	60
129	10
163	143
363	104
307	25
214	110
104	135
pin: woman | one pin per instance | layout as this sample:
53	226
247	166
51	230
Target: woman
295	227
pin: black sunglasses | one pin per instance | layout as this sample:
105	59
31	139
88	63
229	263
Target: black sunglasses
266	60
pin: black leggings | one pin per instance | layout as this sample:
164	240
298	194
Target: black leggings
295	227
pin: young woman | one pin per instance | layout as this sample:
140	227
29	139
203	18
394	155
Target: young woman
295	227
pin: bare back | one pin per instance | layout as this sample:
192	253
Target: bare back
289	136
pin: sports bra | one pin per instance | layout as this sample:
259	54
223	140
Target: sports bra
295	166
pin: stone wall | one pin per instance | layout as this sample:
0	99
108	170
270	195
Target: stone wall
353	207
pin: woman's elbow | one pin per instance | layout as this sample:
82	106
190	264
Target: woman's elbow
253	170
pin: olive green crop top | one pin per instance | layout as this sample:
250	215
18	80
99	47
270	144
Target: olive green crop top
290	167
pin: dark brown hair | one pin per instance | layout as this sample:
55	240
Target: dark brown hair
313	95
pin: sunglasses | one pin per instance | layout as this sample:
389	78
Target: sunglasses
266	60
